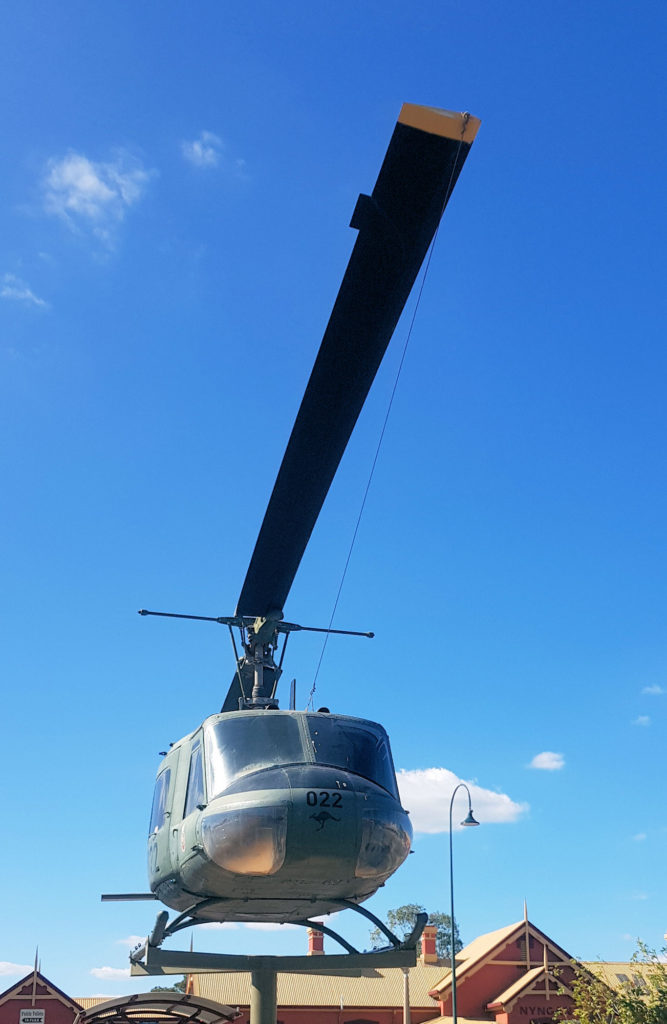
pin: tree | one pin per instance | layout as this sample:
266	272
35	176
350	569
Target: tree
402	920
179	986
641	999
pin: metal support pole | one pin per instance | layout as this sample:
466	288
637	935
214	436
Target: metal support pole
263	1001
469	820
451	911
406	996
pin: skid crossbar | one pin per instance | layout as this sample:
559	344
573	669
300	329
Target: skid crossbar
153	960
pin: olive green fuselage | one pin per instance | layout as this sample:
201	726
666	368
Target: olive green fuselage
275	842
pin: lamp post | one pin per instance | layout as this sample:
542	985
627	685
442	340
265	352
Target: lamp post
468	821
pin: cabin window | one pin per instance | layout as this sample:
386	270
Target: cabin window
195	791
340	743
160	795
240	744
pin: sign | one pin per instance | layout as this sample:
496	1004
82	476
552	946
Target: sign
33	1016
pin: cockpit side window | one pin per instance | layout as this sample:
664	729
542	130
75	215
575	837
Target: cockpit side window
160	795
195	791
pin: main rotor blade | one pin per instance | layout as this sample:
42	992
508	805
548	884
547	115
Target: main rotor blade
396	225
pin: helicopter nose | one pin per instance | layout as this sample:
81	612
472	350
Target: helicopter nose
246	840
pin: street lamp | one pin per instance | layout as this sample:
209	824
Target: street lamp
468	821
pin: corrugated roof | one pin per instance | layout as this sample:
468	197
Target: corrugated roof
617	973
373	988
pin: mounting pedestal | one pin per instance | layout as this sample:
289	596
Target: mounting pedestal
151	959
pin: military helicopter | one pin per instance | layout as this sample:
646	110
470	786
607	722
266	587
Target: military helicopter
273	815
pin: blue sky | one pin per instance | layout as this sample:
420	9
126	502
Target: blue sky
176	183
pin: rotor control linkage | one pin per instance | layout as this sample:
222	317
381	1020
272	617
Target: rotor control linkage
257	673
247	622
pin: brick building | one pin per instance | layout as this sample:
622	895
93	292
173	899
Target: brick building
509	976
36	1000
514	975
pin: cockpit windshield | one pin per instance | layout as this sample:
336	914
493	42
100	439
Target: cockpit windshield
243	743
355	747
248	742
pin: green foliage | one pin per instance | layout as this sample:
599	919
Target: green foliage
179	986
402	920
642	1000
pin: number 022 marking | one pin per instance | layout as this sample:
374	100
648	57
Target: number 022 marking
323	799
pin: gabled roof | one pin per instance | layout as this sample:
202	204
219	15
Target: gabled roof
486	943
23	989
522	983
477	951
481	950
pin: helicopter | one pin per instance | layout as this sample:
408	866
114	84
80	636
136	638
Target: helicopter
269	815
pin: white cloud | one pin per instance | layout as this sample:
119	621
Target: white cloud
131	941
210	151
548	761
14	288
638	895
653	691
426	793
642	720
111	973
206	151
7	968
93	196
639	837
219	925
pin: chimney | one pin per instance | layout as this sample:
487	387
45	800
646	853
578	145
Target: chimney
429	953
315	942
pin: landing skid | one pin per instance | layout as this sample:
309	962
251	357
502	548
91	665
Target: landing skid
150	959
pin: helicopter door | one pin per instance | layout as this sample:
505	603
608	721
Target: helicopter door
159	856
192	801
